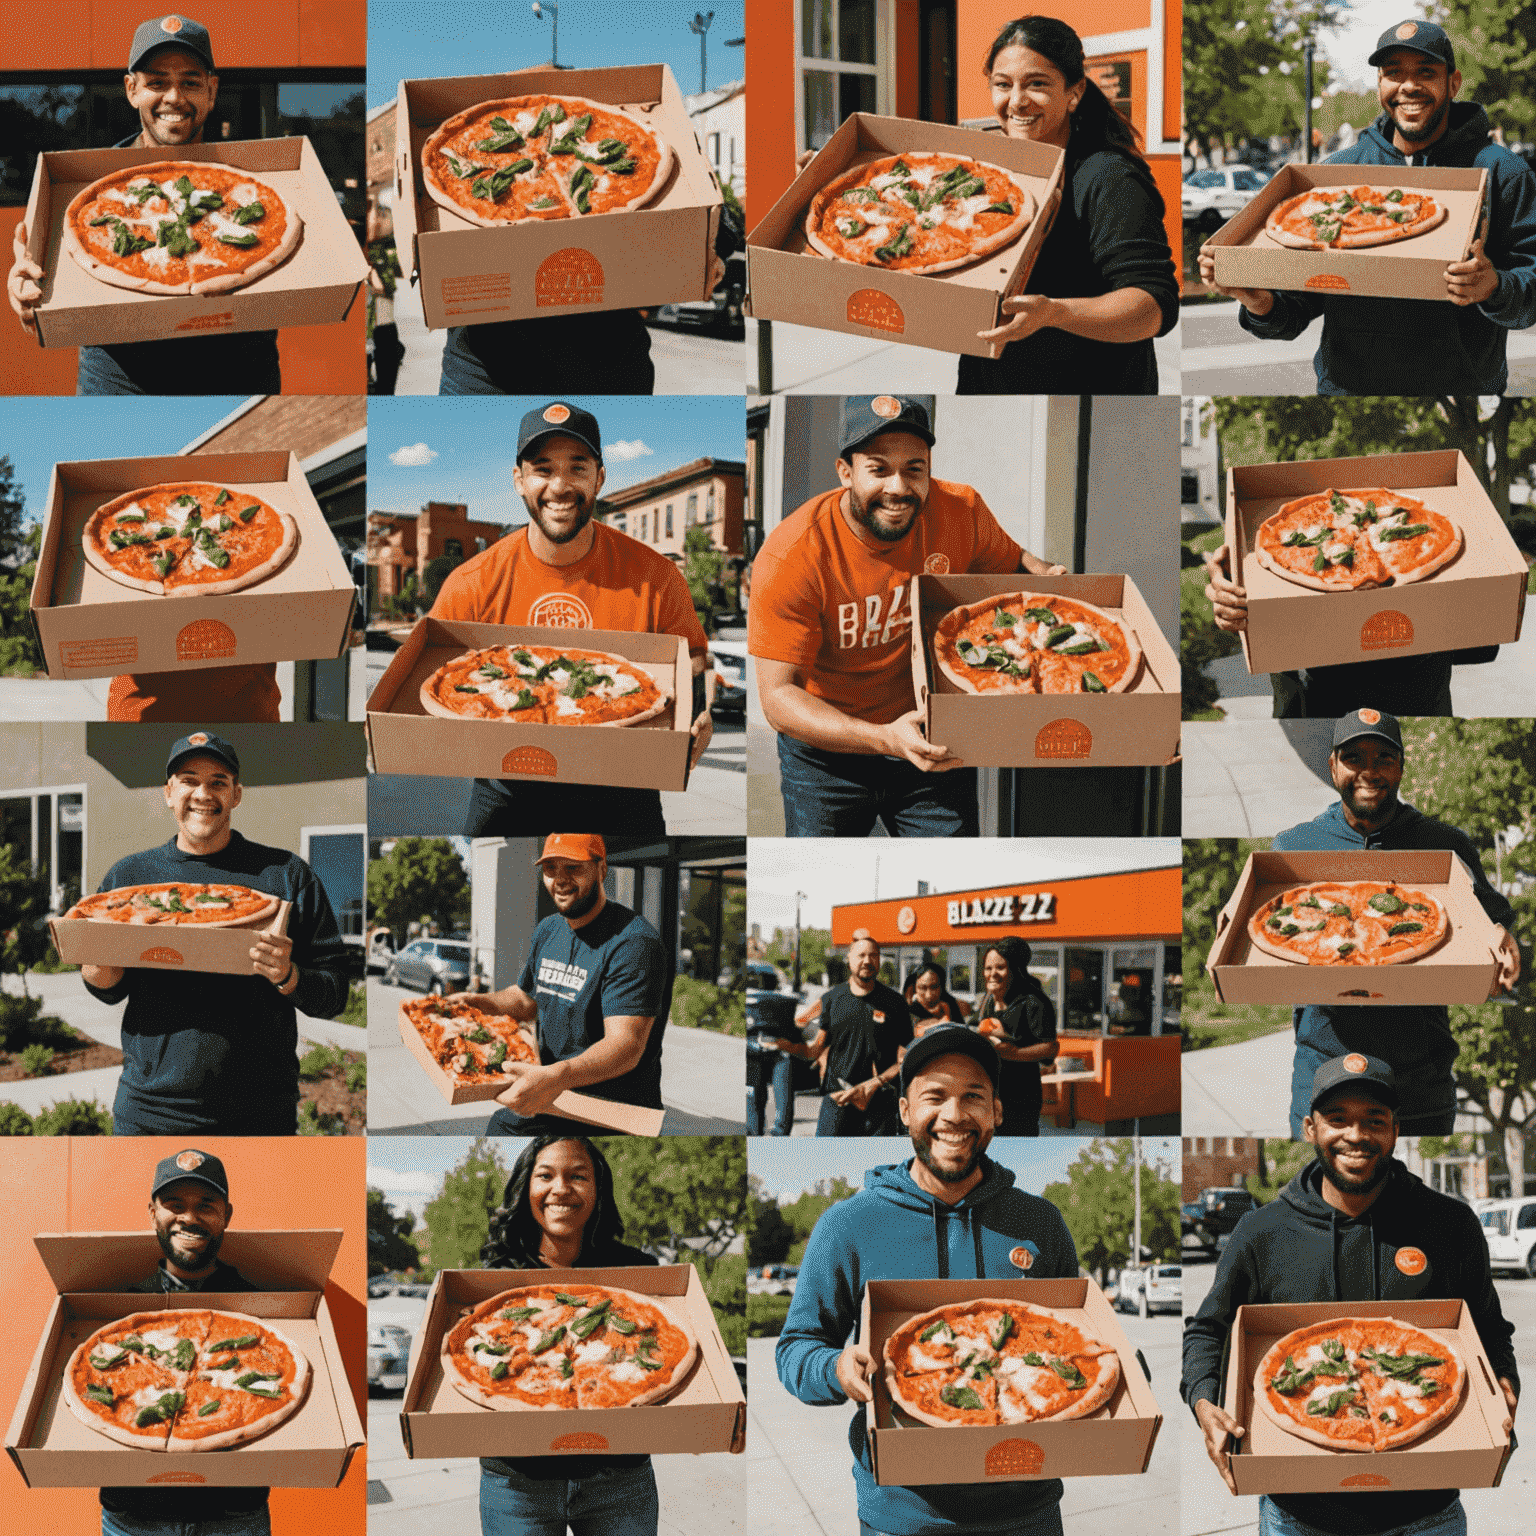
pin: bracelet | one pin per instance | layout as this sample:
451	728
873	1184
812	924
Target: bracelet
293	971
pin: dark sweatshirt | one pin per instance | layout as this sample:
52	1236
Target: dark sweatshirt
218	1054
1452	350
1415	1042
1298	1248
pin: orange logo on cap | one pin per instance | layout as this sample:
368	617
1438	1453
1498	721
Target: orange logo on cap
559	610
172	24
1014	1458
197	738
557	413
1370	716
1411	1261
886	406
1355	1063
906	920
189	1160
936	565
1407	29
1022	1258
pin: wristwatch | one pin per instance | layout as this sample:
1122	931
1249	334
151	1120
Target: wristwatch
283	989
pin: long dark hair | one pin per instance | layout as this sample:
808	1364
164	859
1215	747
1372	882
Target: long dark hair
956	1012
1016	955
514	1236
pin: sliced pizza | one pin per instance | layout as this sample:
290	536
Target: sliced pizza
472	1045
180	902
1336	541
1349	922
1347	218
544	685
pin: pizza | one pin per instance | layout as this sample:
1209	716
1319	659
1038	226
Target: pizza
567	1346
1344	218
470	1044
180	226
202	906
1349	922
543	157
186	1380
997	1362
1360	1383
188	538
1030	642
544	685
1337	541
918	213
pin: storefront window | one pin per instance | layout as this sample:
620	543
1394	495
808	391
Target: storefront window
839	65
1173	987
1045	967
1130	994
962	966
1084	1012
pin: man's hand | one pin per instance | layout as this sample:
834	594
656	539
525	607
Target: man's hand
104	976
484	1001
702	731
272	956
1229	602
1473	281
1038	567
904	739
1257	301
25	285
1217	1424
533	1089
1031	312
716	272
855	1367
1511	1398
1508	972
858	1096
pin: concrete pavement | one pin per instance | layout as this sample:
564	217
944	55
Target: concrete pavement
1249	780
1240	1090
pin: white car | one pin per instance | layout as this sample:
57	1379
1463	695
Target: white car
1212	197
1510	1227
389	1352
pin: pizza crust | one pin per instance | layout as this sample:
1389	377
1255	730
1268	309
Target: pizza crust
955	621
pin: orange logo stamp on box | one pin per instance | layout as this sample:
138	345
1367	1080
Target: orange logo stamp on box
530	760
1412	1261
205	640
1355	1063
1366	1480
879	311
579	1440
1328	282
1064	739
569	276
906	920
1012	1458
162	955
177	1477
936	565
223	321
1386	631
560	610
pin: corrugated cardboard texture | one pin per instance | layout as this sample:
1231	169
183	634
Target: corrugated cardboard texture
1460	971
1467	1451
1117	1439
91	626
164	946
470	275
945	310
1403	269
315	286
1478	599
1139	726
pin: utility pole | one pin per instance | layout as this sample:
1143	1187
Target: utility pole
1136	1175
799	897
699	26
552	6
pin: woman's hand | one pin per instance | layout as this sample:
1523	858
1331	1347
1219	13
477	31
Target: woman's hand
23	288
1038	567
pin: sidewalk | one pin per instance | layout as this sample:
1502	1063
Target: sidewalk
1240	1090
1248	780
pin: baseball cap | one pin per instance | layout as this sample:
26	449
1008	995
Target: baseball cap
170	32
586	846
1367	722
190	1164
949	1040
865	416
201	744
559	416
1421	36
1363	1074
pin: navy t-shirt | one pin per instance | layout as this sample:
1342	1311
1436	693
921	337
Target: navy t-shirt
863	1033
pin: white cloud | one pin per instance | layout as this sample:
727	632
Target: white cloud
411	1183
624	452
412	456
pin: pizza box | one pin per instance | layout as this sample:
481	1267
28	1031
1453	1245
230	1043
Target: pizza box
315	286
404	738
1139	726
946	310
629	1119
708	1413
1478	599
162	946
53	1449
1117	1439
469	275
1468	1450
1404	269
1462	970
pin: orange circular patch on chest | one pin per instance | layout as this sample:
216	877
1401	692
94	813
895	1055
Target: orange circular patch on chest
1411	1261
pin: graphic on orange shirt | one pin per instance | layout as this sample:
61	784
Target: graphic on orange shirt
561	610
884	621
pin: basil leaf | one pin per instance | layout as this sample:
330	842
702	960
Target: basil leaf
960	1397
250	213
1004	1328
249	513
998	208
899	247
176	240
498	1370
517	1314
244	242
1091	684
464	688
1041	615
106	218
1069	1373
620	1324
1386	903
932	1331
208	1408
100	1394
1395	195
1398	928
549	1340
850	229
569	1300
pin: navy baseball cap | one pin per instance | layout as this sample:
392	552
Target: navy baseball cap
171	32
948	1040
190	1164
201	744
1367	722
1421	36
1355	1073
865	416
559	416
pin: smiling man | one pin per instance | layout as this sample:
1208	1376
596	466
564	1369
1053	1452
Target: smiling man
1354	1225
949	1213
210	1052
1366	766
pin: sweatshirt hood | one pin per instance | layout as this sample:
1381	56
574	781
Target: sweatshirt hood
1466	132
894	1183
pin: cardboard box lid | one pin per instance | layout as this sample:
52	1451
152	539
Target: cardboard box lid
298	1259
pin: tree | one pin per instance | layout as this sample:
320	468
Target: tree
19	653
459	1219
1212	866
1098	1203
388	1248
436	573
1494	41
1280	1163
702	564
1497	1071
768	1234
676	1188
815	951
24	902
420	878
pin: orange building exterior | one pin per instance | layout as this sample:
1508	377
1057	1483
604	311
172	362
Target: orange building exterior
704	493
399	543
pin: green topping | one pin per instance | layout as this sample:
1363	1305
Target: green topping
1338	909
498	1370
524	699
250	213
464	688
861	195
186	1354
130	517
249	513
932	1331
161	1409
176	240
583	1326
566	143
106	1362
545	202
244	242
549	1340
184	185
1398	928
998	208
1329	1406
1408	531
565	1367
1069	1373
262	1392
1320	562
901	168
463	169
960	1397
106	218
517	1314
479	1034
1082	648
1395	195
1060	633
1386	903
505	136
221	498
100	1394
493	1349
899	247
1359	1412
620	1324
1034	1359
208	1408
250	1376
125	242
120	540
491	187
570	1301
1002	619
208	546
224	524
1092	684
580	187
497	1055
851	228
1040	615
1004	1328
1346	949
133	1341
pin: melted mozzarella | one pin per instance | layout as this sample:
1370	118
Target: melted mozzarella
200	560
1016	1381
591	1352
567	706
158	257
923	1361
147	1395
245	193
543	1379
1406	1390
924	174
164	1338
226	1381
1016	650
132	513
628	1371
964	215
524	121
224	226
202	258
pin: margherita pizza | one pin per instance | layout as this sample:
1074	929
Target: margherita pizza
470	1044
918	213
567	1346
202	906
996	1362
180	226
188	539
543	157
1336	541
1029	642
1359	1383
1342	218
185	1380
1349	922
544	685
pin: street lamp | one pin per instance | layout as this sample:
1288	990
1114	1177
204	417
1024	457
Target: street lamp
1307	52
799	897
699	26
539	7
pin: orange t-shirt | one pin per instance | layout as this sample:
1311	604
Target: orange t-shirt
825	600
247	695
617	584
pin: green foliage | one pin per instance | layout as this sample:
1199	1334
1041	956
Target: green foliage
768	1234
702	1005
815	953
1211	869
702	565
385	260
73	1117
356	1011
316	1122
765	1316
14	1120
420	878
24	901
679	1187
314	1062
1200	641
388	1248
1097	1202
50	964
805	1210
458	1219
23	1024
356	1076
1497	1067
436	573
1494	41
1281	1162
19	653
36	1060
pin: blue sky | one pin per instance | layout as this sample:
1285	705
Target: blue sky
424	448
422	39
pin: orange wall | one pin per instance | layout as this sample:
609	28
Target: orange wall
770	67
88	1183
1140	1079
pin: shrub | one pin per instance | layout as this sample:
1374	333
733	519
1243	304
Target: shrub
356	1011
36	1060
313	1122
14	1120
314	1062
702	1005
74	1117
17	1016
357	1076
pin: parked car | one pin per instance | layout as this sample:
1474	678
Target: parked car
1206	1222
389	1354
779	1279
1154	1288
430	965
731	689
1212	197
1510	1227
771	1009
721	313
381	950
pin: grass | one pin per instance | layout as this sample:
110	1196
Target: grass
765	1316
356	1011
1208	1022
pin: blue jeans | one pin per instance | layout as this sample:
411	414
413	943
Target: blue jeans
843	794
763	1068
1450	1521
621	1502
258	1523
1046	1521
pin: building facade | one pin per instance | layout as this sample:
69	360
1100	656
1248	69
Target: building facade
403	543
704	493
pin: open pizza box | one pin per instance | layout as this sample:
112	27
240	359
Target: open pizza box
164	946
1138	727
1412	268
53	1449
1117	1439
315	286
91	626
944	310
629	1119
404	738
660	253
1468	1450
1461	970
1477	599
708	1412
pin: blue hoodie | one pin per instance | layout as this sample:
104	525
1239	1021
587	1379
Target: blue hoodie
895	1231
1455	350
